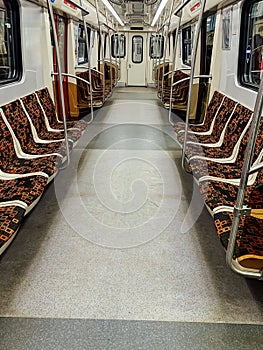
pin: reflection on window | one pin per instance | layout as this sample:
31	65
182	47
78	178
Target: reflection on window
137	49
251	53
82	47
61	42
10	51
118	46
187	45
209	38
156	46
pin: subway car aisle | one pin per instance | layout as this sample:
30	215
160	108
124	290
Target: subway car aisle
121	253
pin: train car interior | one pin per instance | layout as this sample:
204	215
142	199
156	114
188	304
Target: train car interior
131	178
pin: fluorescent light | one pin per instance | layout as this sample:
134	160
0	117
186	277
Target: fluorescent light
109	7
158	12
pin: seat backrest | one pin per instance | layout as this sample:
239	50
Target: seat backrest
48	105
35	113
222	117
7	149
19	123
234	132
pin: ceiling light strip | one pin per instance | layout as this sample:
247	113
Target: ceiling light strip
158	12
111	9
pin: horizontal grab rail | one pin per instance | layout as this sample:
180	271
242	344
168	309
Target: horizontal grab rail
173	71
194	77
72	76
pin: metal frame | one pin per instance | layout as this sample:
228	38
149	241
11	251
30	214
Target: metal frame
61	94
193	62
102	49
88	45
166	42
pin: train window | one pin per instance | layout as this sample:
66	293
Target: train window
208	39
10	49
137	49
118	45
187	45
82	46
156	46
251	48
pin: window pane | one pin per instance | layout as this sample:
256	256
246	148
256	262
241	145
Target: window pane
10	52
118	45
251	53
187	45
156	46
137	49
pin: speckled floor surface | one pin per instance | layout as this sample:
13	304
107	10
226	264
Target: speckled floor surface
119	236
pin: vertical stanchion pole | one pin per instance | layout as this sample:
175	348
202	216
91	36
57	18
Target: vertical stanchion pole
102	48
107	22
60	78
88	46
173	66
193	61
166	41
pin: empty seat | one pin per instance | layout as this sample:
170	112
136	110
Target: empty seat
19	123
36	115
210	115
49	108
11	163
249	243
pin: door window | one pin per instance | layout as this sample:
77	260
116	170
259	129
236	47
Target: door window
137	49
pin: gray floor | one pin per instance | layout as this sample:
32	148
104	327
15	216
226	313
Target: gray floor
121	242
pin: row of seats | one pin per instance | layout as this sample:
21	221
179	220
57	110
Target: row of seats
97	87
214	153
180	90
33	148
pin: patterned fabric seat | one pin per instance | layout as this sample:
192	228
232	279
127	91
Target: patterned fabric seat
230	170
211	112
26	190
11	163
249	244
10	220
34	111
225	114
48	106
17	119
179	92
217	194
84	97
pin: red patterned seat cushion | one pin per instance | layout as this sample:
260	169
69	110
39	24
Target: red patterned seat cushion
10	163
20	124
10	221
224	113
49	108
26	189
249	242
38	119
209	116
216	193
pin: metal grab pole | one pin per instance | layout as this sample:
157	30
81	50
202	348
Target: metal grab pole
102	48
106	13
51	15
239	208
166	41
88	45
159	70
193	61
173	67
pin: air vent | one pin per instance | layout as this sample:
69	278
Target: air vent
136	28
